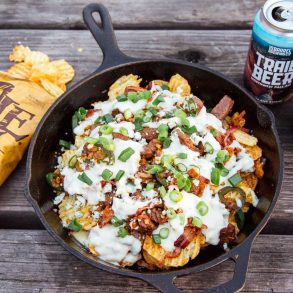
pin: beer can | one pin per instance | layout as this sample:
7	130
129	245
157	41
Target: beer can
268	71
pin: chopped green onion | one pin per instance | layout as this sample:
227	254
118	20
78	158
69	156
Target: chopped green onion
64	143
213	131
74	226
138	122
152	109
148	116
153	169
157	238
164	233
158	100
163	132
133	97
222	156
119	175
106	129
202	208
79	115
181	155
72	161
181	219
121	98
171	213
208	148
163	191
189	130
215	176
166	143
180	114
116	222
187	185
139	114
223	171
180	180
165	87
108	118
191	105
197	222
240	219
107	174
122	232
92	140
150	186
175	195
123	131
49	177
181	167
166	160
145	95
235	179
126	154
74	121
85	179
108	144
127	114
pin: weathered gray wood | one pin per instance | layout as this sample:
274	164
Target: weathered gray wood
136	14
31	261
222	50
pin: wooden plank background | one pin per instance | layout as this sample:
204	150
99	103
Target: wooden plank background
151	14
214	33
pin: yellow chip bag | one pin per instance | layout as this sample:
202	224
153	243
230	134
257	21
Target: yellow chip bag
22	105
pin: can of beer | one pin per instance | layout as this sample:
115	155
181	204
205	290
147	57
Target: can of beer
269	66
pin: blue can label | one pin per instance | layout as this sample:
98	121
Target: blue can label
269	71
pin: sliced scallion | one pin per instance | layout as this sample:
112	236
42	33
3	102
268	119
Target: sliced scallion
123	131
222	156
202	208
163	132
133	97
163	191
106	129
145	95
150	186
49	177
235	179
74	226
153	169
116	222
165	87
138	124
64	143
122	232
92	140
208	148
197	222
215	176
85	179
175	196
126	154
156	238
181	219
180	114
181	155
181	167
166	143
106	174
171	213
119	175
108	118
121	98
72	161
127	114
158	100
164	233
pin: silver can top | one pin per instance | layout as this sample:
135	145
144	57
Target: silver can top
279	13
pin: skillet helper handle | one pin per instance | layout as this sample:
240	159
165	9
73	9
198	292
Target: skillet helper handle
241	259
105	36
165	284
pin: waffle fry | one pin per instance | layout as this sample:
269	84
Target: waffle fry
255	151
244	138
19	53
65	71
118	87
176	82
35	57
51	87
20	70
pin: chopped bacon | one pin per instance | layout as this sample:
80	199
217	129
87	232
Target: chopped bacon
150	149
193	173
172	254
149	133
157	216
223	108
106	216
120	136
238	120
198	190
130	88
186	140
91	112
187	236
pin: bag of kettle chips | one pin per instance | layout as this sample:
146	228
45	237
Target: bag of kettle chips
27	90
22	105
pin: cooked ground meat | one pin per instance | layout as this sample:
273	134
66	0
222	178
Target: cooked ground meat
120	136
149	133
150	149
228	234
223	108
186	140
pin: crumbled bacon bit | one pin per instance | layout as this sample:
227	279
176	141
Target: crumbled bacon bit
172	254
187	236
105	217
228	234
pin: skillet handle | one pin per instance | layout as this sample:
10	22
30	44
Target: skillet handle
104	36
164	283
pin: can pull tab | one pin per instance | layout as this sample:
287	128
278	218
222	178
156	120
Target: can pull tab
282	14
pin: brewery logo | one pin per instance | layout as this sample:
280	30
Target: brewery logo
279	51
272	73
12	112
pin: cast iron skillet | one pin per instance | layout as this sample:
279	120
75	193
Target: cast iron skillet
206	84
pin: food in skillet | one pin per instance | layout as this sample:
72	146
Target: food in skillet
153	175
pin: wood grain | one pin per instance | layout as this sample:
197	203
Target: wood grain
31	261
138	14
224	51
